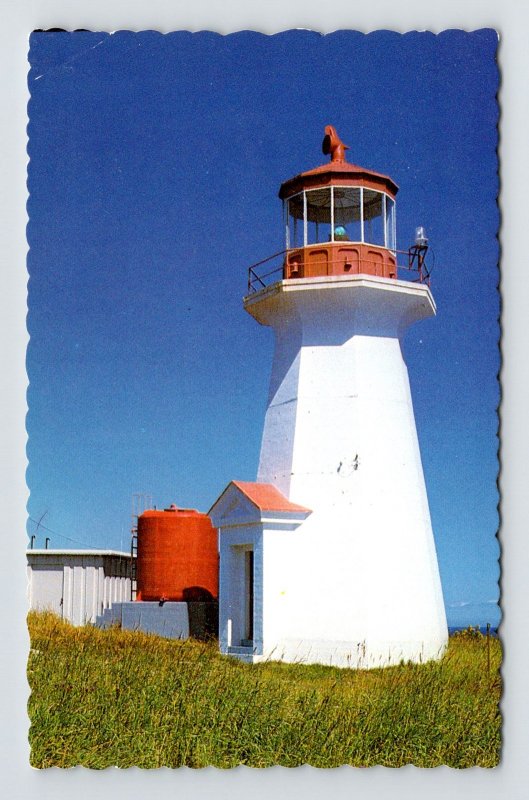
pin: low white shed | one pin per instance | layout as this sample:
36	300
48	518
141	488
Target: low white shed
78	584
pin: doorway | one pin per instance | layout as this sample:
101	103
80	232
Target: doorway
248	598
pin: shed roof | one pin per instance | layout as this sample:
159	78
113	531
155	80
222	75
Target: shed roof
266	497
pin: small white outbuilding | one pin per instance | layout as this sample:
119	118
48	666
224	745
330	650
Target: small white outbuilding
253	519
77	585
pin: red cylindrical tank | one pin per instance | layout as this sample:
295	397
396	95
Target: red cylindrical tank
177	556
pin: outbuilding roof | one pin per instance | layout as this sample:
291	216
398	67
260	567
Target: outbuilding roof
266	497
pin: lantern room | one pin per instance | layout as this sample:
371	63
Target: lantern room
339	219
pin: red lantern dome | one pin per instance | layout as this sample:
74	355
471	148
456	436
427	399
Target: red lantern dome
339	219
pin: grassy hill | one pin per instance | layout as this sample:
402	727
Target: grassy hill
121	698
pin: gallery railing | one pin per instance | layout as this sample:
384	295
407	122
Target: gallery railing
414	271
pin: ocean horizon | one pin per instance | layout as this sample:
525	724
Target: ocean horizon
482	628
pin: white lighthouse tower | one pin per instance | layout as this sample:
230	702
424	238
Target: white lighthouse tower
329	557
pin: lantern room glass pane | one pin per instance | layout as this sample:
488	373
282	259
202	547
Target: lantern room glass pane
347	216
373	217
295	222
390	224
319	216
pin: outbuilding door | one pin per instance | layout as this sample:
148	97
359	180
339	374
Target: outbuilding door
248	598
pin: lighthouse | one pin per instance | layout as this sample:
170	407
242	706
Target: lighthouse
329	555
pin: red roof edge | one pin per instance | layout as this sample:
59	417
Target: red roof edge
267	497
292	185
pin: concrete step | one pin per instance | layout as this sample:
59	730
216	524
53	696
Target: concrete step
240	651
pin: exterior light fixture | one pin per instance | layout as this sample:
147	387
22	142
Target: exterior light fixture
421	240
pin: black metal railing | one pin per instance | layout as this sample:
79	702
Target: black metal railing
415	267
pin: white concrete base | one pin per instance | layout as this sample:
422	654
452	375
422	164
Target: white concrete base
347	655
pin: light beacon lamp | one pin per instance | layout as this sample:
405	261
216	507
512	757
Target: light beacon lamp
417	254
421	240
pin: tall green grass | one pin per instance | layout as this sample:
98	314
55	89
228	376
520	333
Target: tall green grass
122	698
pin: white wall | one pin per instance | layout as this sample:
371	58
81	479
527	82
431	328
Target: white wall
77	585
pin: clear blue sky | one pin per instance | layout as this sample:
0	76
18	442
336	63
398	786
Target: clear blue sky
155	165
